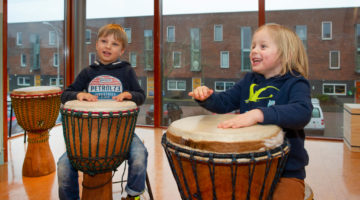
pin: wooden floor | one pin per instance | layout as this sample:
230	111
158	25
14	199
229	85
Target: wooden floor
333	172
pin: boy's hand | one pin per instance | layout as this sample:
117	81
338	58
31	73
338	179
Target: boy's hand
84	96
122	96
201	93
249	118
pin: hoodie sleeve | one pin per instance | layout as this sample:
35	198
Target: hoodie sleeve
137	93
296	113
79	85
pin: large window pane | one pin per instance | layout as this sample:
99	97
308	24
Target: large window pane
330	34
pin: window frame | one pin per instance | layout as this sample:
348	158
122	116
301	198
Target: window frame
52	38
170	38
56	58
90	57
224	85
88	36
330	58
303	40
128	34
218	38
23	62
61	83
19	39
334	88
322	30
176	83
221	60
245	49
21	79
131	53
173	58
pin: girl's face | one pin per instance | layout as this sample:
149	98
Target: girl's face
264	54
108	49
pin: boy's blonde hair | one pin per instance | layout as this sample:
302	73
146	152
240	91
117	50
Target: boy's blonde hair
292	53
116	30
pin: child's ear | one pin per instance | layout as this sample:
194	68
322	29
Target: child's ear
122	52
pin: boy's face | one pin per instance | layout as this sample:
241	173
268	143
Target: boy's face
108	49
264	54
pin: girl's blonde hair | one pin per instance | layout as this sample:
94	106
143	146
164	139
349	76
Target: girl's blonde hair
292	53
116	30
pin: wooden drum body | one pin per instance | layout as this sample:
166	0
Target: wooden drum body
98	137
212	163
36	109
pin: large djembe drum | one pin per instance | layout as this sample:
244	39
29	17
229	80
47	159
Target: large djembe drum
97	137
36	109
212	163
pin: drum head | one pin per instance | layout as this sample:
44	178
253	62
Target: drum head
100	106
201	133
36	90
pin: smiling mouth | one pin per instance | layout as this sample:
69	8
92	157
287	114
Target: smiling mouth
256	61
106	53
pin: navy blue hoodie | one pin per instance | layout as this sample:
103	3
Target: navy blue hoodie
284	100
106	81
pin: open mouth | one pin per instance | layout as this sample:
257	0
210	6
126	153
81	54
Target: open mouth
256	61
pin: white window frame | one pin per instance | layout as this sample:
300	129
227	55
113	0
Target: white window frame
303	38
221	59
23	60
131	54
224	83
322	30
173	58
245	47
170	38
176	83
21	81
218	38
334	85
56	58
88	39
19	41
128	34
61	83
334	67
90	55
52	38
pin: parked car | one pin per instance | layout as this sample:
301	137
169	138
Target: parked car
171	112
317	117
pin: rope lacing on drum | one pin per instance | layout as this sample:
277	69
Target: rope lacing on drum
197	195
267	169
211	163
233	175
183	174
252	165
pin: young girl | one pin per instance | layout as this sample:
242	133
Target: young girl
276	92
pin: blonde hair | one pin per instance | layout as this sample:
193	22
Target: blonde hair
292	53
116	30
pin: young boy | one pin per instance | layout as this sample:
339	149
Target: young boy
276	92
122	84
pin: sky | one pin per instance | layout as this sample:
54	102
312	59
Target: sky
51	10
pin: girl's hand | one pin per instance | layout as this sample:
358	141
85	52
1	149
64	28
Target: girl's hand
84	96
201	93
249	118
122	96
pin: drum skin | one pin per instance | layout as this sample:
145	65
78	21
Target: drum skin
36	109
215	171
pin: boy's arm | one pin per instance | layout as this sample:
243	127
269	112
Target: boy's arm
296	113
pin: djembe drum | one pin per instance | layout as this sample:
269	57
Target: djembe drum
97	137
36	109
212	163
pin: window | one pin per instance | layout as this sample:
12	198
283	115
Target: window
54	83
176	85
56	60
195	49
52	39
218	32
132	59
35	51
92	58
19	41
334	60
224	59
23	60
171	33
334	89
23	81
176	59
245	48
128	34
301	31
88	36
149	58
326	33
357	39
221	86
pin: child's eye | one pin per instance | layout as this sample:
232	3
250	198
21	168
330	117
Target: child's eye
115	44
103	41
263	46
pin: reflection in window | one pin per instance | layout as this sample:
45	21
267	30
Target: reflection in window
334	59
224	59
23	81
19	41
221	86
218	32
92	58
195	49
301	31
357	39
176	59
176	85
245	48
149	58
88	36
171	33
334	89
133	59
326	30
56	60
23	60
52	38
128	34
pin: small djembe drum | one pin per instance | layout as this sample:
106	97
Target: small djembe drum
212	163
36	109
98	137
